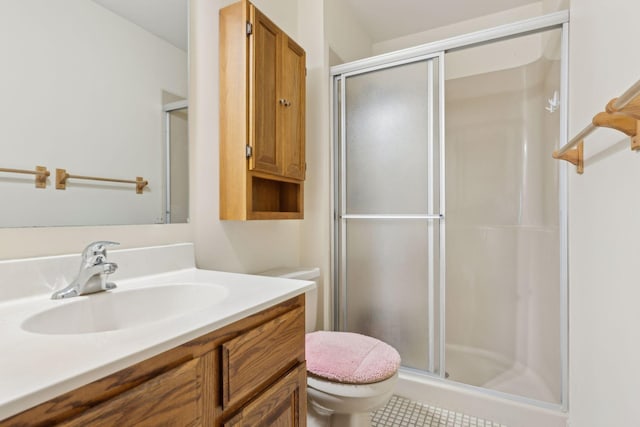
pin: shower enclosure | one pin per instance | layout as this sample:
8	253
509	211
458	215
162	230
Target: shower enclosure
489	311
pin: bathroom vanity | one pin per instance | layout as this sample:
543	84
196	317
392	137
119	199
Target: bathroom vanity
238	361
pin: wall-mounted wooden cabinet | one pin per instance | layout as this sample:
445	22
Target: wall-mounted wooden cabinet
262	118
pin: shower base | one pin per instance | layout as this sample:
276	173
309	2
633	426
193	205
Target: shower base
483	403
493	371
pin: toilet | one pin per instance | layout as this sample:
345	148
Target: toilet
348	375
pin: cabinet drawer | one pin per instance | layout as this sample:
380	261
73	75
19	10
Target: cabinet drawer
171	398
254	359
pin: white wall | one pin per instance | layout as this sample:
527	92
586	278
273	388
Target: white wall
315	242
604	230
347	38
250	246
90	105
283	12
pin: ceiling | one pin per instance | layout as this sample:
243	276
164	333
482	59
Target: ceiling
166	19
382	19
389	19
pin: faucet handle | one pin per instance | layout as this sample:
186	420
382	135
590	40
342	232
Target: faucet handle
97	250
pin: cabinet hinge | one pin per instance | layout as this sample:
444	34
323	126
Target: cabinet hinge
249	28
249	151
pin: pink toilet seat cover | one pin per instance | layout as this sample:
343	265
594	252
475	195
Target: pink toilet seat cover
350	358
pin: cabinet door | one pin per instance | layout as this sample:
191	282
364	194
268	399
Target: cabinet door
265	53
292	117
284	404
179	397
251	360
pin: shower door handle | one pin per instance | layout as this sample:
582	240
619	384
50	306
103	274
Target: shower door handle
392	216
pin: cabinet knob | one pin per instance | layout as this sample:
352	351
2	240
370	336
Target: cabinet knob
284	102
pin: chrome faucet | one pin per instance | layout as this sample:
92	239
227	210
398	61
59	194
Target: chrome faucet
93	273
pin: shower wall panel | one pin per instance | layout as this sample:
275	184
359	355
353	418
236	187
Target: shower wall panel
503	290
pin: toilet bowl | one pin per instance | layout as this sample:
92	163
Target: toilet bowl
345	405
348	375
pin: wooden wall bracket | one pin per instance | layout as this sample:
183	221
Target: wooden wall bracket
617	121
574	156
623	122
41	173
635	139
632	108
41	176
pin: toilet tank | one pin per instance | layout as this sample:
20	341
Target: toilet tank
311	297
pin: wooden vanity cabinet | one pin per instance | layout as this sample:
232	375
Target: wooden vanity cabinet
250	373
262	117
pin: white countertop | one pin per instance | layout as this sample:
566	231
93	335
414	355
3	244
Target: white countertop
37	367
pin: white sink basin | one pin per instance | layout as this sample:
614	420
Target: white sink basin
123	309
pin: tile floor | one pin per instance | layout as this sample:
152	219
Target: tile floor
402	412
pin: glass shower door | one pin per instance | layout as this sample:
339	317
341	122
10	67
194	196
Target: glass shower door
388	206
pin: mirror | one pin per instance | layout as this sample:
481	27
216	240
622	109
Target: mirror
98	89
